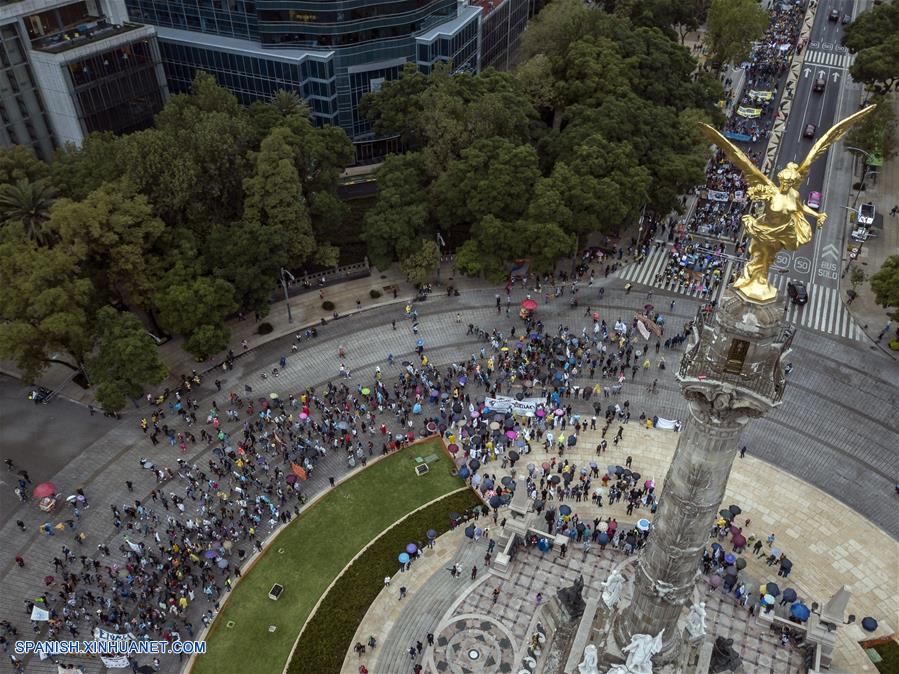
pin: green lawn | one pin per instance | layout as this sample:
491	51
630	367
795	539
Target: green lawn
316	546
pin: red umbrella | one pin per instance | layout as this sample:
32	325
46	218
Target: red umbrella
529	305
453	448
739	541
45	489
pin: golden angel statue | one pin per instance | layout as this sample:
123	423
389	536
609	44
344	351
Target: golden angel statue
783	224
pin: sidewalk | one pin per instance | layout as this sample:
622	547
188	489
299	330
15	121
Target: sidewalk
884	194
306	310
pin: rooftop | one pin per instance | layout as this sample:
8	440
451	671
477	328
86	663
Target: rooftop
61	42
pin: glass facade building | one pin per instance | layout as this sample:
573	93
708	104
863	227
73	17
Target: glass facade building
72	68
331	53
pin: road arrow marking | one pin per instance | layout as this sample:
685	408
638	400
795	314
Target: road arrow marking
806	72
836	76
830	251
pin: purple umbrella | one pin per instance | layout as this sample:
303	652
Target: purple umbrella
411	548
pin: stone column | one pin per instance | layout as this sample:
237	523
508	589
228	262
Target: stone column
730	373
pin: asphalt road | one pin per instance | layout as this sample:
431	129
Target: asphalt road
818	262
41	439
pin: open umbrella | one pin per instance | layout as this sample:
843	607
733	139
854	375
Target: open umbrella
603	538
342	425
495	501
768	599
726	514
411	548
715	581
559	412
464	472
403	558
643	524
469	530
555	479
772	589
432	534
507	481
528	305
540	412
800	611
603	526
790	594
366	391
564	509
545	466
730	558
511	435
290	479
734	510
741	563
494	425
869	624
44	490
474	464
209	554
514	456
432	427
453	448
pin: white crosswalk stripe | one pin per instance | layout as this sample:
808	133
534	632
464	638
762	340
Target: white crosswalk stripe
824	312
647	271
828	58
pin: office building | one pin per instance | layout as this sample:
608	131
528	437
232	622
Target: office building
330	54
70	68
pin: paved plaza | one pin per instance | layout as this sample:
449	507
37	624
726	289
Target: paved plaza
819	472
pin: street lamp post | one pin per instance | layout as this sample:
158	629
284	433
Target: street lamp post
284	273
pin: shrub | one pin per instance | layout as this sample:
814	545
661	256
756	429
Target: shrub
328	634
374	294
264	328
328	305
894	345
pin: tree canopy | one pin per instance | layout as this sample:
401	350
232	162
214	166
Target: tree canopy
885	284
874	38
731	28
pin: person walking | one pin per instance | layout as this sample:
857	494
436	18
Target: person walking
496	592
742	451
474	572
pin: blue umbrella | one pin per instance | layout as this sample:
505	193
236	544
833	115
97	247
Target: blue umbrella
773	590
543	544
488	483
404	558
564	509
800	611
603	538
464	472
790	594
432	534
411	548
495	501
420	342
469	531
416	408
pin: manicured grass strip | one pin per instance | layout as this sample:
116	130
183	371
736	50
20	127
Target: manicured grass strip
889	651
309	553
324	644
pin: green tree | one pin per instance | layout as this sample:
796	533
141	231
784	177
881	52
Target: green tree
18	162
113	232
191	166
419	264
558	25
396	107
876	133
184	301
29	203
79	170
45	305
731	28
242	255
208	340
885	284
127	358
492	177
399	218
874	38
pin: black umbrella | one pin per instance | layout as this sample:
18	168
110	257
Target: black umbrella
507	481
726	514
555	479
538	503
636	476
474	464
514	455
519	396
734	509
469	531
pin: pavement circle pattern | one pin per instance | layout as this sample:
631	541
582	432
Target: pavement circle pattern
474	645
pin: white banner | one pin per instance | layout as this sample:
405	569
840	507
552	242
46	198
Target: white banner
643	329
716	195
103	635
507	404
39	614
667	424
115	661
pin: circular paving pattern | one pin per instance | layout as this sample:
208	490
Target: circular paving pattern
473	646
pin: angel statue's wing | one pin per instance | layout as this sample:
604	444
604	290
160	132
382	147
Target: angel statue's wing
833	134
750	171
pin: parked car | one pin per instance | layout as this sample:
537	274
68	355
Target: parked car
834	15
819	84
863	234
39	395
797	292
866	214
846	19
810	129
814	200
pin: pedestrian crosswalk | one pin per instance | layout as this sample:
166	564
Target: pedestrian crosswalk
824	311
814	57
651	272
